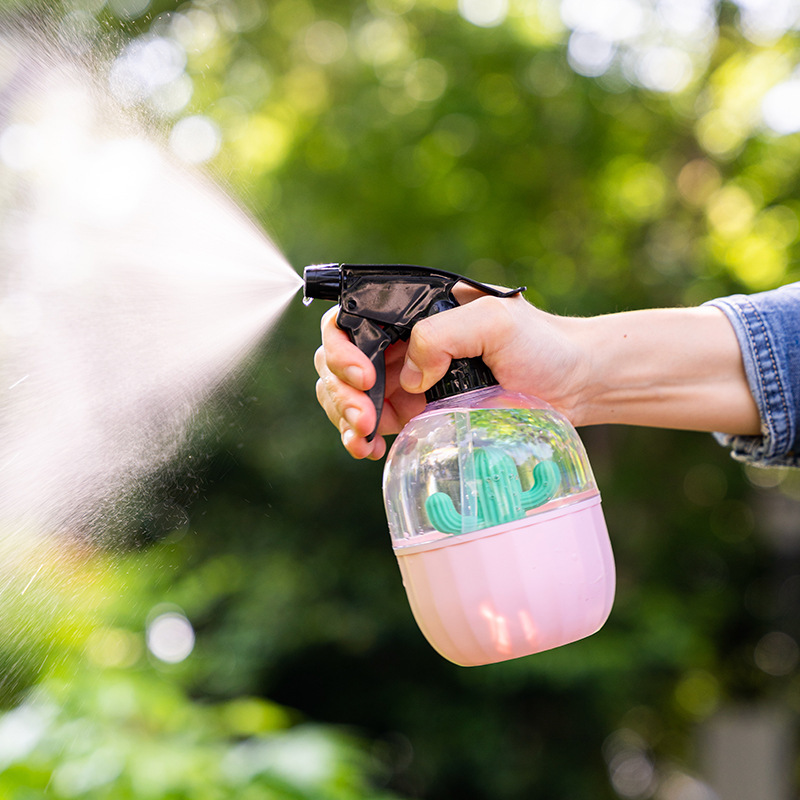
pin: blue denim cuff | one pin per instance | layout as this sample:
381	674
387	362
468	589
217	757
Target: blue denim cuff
767	326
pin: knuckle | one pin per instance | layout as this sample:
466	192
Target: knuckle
423	334
327	401
496	313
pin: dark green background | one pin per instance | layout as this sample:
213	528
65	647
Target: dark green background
517	170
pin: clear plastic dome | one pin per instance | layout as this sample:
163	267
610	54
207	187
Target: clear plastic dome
484	458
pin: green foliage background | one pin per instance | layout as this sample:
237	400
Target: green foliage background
398	131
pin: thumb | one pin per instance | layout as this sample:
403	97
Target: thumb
458	333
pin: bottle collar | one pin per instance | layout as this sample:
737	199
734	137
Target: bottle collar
464	375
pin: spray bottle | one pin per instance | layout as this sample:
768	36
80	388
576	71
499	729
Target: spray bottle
493	510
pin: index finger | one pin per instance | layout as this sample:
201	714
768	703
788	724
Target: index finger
342	357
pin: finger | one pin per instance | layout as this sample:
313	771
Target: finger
342	357
400	406
466	292
375	450
342	402
359	447
397	413
353	424
463	332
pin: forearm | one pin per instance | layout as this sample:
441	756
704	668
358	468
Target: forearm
670	368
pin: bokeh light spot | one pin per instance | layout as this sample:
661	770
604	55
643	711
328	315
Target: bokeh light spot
765	21
778	224
705	484
719	133
111	647
698	693
325	41
383	41
781	107
630	764
196	30
664	69
172	97
146	64
170	637
21	729
589	54
247	716
483	13
195	139
612	20
777	654
679	786
637	188
694	20
765	477
426	80
757	262
698	180
731	211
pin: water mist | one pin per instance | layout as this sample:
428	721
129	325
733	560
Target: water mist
131	289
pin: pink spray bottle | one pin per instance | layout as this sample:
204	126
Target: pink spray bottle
493	510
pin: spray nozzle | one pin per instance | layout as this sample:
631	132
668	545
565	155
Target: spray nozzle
381	303
322	282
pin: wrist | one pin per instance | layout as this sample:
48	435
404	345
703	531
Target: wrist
675	368
572	382
586	384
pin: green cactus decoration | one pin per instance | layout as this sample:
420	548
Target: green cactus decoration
499	494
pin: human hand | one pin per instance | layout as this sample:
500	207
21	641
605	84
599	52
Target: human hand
345	374
527	350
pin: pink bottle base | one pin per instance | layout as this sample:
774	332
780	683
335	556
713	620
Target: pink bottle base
515	589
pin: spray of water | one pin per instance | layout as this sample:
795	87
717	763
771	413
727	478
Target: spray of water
131	290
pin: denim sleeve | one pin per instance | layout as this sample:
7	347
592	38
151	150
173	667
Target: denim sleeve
767	326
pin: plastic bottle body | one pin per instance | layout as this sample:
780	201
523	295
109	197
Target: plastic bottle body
497	526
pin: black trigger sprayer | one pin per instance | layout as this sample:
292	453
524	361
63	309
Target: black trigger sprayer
493	510
380	304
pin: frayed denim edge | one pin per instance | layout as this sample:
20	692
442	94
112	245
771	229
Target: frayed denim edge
769	449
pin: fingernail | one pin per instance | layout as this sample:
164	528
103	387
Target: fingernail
354	376
411	375
348	437
377	449
352	415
